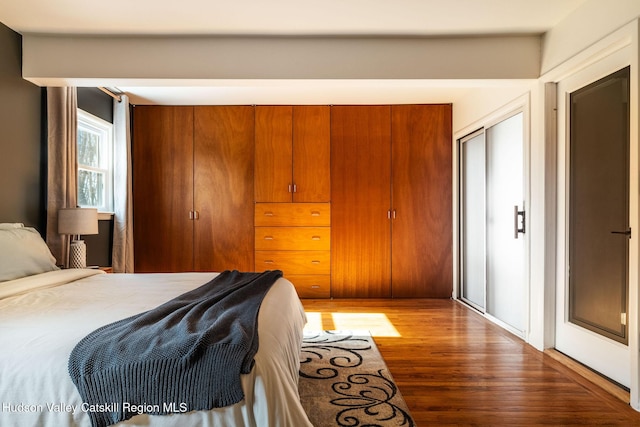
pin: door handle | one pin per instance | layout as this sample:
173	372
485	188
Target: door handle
517	228
626	233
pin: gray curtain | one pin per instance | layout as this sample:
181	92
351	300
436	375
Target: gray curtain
62	175
122	256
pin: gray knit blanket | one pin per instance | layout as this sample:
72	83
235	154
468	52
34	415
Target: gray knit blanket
184	355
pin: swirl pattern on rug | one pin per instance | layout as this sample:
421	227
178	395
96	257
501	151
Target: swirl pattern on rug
345	382
336	349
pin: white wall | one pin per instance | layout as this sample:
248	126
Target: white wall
585	26
481	102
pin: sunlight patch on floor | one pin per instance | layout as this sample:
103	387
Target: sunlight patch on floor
314	322
378	324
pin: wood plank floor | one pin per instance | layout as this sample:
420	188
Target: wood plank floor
454	367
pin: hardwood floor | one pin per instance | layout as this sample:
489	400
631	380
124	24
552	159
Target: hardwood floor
454	367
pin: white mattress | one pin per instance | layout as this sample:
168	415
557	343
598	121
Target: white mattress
43	317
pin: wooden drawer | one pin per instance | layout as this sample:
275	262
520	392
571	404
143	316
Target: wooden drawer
293	238
294	262
293	214
311	286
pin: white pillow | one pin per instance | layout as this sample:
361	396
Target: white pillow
6	225
23	253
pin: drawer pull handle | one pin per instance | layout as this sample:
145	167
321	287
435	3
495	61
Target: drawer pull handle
268	237
268	213
315	213
315	237
268	261
315	262
315	286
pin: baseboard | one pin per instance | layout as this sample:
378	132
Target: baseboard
602	382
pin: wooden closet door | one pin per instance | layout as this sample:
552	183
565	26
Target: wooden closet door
273	149
311	153
163	188
360	201
223	182
422	192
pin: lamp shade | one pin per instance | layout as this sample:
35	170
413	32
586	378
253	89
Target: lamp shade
78	221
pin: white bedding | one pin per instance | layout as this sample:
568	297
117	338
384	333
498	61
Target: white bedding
44	316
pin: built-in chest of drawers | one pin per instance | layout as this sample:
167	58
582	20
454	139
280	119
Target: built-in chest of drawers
296	238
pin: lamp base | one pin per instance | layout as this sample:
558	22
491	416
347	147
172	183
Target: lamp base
77	254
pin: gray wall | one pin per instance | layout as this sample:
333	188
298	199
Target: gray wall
22	158
96	102
23	153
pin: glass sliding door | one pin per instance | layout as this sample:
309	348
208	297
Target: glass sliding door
492	222
505	207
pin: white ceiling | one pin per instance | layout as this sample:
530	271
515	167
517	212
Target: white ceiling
287	18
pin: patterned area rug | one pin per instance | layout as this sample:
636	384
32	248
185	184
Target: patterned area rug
345	382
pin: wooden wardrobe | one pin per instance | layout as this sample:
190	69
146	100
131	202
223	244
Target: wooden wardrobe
193	188
349	201
391	196
292	183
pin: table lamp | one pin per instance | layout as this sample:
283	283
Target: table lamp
76	222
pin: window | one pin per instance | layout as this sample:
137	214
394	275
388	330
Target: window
95	153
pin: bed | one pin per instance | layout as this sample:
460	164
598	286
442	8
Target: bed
45	314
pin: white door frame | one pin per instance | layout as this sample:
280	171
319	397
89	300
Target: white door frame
623	42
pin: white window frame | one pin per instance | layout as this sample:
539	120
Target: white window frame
105	130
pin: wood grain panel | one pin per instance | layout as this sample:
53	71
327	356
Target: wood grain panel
163	188
293	238
273	153
311	153
293	214
422	192
224	167
294	262
360	201
311	286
